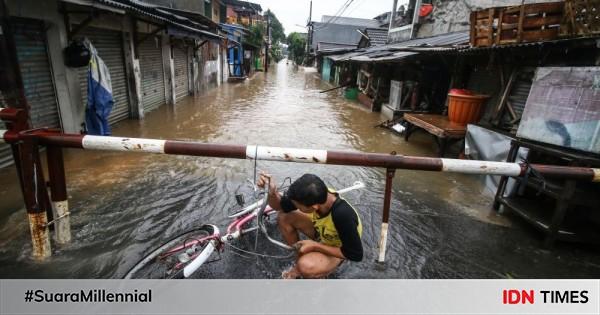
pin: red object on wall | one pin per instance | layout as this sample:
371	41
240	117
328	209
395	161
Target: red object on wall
425	10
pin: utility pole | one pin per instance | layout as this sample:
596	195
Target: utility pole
309	33
393	15
268	43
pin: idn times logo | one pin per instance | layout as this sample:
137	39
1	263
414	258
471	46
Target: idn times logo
514	296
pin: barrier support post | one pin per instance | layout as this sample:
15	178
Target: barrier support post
58	193
387	198
34	189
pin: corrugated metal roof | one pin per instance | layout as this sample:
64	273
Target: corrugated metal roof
156	13
349	21
532	44
334	33
377	36
397	51
325	46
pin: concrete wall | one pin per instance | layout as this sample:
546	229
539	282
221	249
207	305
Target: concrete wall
453	15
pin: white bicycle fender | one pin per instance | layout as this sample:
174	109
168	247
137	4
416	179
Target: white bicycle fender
200	260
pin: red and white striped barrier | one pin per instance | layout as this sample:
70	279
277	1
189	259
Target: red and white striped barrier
280	154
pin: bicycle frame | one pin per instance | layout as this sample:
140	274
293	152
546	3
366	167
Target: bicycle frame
235	230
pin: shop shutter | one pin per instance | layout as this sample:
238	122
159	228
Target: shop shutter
30	41
180	57
153	84
109	45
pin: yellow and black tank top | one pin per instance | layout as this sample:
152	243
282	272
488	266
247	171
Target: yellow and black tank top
341	227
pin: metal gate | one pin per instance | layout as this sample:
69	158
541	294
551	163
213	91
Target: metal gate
30	41
180	59
153	83
109	45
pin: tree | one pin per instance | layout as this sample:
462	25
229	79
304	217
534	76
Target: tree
256	36
276	53
296	47
277	31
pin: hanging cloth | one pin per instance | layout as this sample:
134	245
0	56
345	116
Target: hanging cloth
100	97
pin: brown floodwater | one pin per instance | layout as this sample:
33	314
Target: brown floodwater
124	204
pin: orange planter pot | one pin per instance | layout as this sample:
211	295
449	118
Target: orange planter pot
465	109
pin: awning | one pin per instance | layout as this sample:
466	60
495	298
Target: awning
532	44
397	51
152	11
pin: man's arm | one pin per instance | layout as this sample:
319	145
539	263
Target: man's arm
274	198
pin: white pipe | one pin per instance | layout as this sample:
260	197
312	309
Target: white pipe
123	144
2	132
286	154
62	224
382	242
481	167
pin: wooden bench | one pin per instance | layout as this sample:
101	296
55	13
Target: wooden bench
439	126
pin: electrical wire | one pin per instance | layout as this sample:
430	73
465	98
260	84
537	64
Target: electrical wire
337	15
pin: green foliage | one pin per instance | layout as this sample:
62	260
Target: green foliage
277	31
257	35
296	47
275	52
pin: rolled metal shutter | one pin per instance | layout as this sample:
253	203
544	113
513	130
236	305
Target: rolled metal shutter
109	45
36	72
180	57
153	82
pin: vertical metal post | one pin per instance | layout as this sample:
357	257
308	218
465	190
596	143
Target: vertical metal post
268	42
34	188
393	15
58	189
387	198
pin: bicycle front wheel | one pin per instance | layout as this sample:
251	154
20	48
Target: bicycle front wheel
179	257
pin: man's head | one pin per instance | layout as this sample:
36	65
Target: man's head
308	193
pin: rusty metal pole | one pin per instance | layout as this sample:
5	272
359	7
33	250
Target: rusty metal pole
34	187
58	190
387	199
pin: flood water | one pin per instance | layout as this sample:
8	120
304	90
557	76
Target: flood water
125	204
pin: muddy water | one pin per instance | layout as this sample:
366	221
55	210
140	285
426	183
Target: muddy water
123	205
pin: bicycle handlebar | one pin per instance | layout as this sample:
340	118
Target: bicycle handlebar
265	202
261	220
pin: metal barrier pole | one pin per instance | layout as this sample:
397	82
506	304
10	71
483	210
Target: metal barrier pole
387	198
102	143
58	190
390	162
34	188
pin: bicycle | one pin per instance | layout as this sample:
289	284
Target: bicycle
183	255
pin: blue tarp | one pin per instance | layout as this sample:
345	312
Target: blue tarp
100	99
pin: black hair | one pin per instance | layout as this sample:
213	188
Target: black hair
308	190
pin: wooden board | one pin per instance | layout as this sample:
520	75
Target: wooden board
437	125
581	18
517	24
